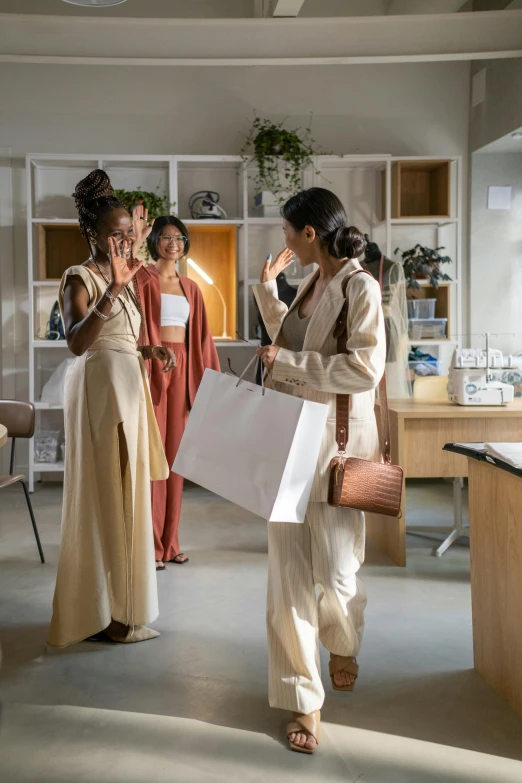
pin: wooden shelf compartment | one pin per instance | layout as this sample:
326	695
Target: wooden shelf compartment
60	245
442	294
214	249
419	189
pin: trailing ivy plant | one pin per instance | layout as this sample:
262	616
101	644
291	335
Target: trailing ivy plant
156	202
280	156
423	263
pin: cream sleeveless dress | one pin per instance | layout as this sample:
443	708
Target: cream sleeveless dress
106	567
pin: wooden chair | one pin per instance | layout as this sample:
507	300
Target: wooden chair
19	419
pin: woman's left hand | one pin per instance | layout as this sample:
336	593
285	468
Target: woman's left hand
268	355
142	227
166	355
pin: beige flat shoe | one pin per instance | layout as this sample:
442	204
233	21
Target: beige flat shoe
340	663
304	724
140	633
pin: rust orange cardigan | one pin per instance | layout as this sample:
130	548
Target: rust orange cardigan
201	350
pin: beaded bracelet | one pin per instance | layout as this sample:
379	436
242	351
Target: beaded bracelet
110	296
100	315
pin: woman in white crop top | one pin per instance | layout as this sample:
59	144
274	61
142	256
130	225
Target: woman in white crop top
176	317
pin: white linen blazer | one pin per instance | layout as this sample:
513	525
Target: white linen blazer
319	373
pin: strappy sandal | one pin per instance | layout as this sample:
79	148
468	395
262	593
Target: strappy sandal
340	663
304	724
179	562
160	565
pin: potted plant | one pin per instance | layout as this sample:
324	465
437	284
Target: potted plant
156	202
280	156
423	263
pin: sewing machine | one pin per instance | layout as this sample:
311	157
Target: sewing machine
471	381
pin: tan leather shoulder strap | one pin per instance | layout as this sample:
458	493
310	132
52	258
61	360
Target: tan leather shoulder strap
343	400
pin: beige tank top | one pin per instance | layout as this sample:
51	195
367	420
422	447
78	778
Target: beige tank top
294	330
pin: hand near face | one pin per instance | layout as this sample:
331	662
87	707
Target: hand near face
272	270
123	267
142	228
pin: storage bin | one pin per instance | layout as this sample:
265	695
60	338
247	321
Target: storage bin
46	443
427	328
424	367
421	308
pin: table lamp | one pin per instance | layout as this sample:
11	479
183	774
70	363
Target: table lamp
209	280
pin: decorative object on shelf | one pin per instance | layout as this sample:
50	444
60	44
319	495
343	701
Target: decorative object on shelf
280	156
157	202
52	392
55	330
209	280
204	205
423	263
46	444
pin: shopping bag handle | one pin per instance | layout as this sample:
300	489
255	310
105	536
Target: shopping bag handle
256	359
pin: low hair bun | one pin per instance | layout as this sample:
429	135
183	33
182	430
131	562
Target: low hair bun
346	242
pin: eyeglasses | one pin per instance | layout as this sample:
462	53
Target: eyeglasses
179	240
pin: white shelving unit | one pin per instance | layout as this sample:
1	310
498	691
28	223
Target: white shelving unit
356	179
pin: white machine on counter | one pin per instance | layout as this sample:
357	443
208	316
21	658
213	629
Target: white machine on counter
470	379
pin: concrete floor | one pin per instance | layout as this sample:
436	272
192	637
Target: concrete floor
191	706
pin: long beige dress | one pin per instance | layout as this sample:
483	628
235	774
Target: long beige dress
106	567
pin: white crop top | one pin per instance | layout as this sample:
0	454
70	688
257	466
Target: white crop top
175	310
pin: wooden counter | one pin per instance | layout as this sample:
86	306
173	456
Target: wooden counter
419	431
495	508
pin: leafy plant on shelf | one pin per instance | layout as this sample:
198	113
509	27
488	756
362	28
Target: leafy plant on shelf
280	156
423	263
157	202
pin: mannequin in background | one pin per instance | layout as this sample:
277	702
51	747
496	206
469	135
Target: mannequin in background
390	276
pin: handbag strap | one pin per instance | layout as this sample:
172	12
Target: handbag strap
343	400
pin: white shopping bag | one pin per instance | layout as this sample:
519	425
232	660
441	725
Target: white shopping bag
253	446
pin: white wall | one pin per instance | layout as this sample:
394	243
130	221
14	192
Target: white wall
418	109
501	112
496	253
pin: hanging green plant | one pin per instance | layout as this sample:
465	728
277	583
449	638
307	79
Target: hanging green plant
280	156
423	263
157	202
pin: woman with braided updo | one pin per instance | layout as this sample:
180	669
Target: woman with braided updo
106	583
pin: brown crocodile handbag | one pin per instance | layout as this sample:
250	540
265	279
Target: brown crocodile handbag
375	487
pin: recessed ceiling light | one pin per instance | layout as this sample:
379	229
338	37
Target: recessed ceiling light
517	135
94	3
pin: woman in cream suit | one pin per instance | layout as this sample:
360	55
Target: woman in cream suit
328	549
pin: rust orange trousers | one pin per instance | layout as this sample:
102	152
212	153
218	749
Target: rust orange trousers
171	414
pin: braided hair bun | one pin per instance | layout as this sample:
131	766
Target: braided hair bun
94	196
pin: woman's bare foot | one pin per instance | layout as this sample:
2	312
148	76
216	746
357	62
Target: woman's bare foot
343	678
160	565
303	740
179	559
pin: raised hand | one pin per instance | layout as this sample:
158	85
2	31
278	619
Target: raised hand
142	228
272	270
123	266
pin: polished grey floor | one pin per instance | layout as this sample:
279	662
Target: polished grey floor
191	705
